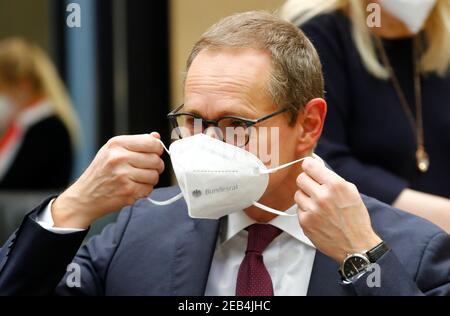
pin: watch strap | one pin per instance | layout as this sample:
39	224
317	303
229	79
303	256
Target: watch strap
377	252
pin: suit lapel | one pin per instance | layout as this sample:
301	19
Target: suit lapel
194	250
325	279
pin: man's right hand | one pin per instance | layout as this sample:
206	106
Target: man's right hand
124	170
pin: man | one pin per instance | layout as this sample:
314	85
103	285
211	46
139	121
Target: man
249	65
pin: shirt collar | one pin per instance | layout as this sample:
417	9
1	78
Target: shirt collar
238	221
35	114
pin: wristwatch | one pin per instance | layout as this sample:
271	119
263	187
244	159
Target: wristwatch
356	263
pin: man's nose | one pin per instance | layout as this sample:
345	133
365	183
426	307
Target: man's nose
214	132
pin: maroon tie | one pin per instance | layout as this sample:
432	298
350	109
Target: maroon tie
253	278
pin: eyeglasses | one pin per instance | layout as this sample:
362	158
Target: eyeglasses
231	129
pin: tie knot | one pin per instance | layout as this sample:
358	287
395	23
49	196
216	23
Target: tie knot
260	236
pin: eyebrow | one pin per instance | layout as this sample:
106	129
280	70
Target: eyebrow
221	114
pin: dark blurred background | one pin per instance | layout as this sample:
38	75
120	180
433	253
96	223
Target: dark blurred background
116	65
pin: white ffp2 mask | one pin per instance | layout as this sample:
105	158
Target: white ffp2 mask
217	179
413	13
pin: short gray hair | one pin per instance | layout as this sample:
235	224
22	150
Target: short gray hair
296	76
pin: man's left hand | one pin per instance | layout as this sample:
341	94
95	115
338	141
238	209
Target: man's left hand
332	213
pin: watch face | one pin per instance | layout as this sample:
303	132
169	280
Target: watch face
353	265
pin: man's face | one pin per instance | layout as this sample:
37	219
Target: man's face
234	82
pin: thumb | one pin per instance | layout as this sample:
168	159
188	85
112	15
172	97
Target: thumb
163	147
156	135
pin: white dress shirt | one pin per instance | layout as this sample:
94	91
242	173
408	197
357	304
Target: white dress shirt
45	219
289	258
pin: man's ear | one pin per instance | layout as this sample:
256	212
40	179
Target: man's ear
309	124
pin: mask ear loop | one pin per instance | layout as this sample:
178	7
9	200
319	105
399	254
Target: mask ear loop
168	202
164	146
271	210
171	200
273	170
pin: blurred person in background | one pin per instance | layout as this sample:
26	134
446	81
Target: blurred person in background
388	92
38	127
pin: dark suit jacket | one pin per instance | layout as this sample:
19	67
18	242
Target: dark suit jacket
44	160
162	251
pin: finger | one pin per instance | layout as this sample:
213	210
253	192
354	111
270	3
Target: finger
142	191
139	143
318	172
308	184
303	201
144	176
145	161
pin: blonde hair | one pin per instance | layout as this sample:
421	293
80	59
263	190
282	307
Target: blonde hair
20	59
436	58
